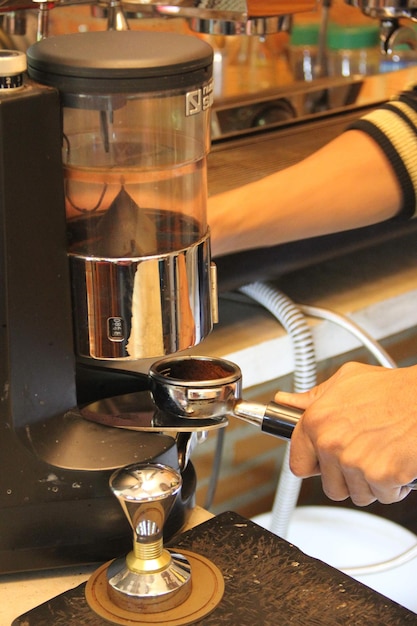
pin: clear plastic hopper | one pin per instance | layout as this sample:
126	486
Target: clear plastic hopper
136	109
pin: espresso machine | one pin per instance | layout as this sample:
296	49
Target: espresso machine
393	32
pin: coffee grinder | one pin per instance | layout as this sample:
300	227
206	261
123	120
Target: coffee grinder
75	322
105	262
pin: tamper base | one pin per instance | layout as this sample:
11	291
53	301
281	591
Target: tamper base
150	592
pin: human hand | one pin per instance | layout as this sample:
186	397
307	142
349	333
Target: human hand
359	431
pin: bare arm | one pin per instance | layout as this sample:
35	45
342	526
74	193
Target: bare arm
347	184
359	429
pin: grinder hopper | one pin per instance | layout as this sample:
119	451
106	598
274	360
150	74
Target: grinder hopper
136	111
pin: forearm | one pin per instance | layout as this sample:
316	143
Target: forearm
349	183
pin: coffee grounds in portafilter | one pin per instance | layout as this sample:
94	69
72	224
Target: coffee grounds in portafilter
197	369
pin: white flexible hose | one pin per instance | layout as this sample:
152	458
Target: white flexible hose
365	338
305	376
285	311
382	566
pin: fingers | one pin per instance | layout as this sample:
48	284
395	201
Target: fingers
304	399
363	490
376	472
343	472
354	487
338	482
298	400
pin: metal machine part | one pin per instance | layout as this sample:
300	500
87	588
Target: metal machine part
140	327
260	26
14	23
394	34
228	17
389	12
230	9
136	411
386	8
251	114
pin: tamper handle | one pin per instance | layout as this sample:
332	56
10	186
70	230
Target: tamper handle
150	578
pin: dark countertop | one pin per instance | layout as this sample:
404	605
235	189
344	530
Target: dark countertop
267	582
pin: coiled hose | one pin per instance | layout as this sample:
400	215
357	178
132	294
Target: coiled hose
291	318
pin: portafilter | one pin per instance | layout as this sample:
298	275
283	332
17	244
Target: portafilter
199	387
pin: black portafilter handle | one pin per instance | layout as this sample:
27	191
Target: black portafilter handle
278	420
275	419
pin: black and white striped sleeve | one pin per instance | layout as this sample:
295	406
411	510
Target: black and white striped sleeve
394	127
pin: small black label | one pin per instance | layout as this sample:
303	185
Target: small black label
116	328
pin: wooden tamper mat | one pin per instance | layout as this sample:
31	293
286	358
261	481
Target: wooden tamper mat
152	585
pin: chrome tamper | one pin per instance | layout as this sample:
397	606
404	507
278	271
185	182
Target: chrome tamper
150	578
152	584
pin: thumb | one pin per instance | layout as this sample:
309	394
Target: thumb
298	400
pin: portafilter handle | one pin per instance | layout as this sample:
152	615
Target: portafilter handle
276	419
